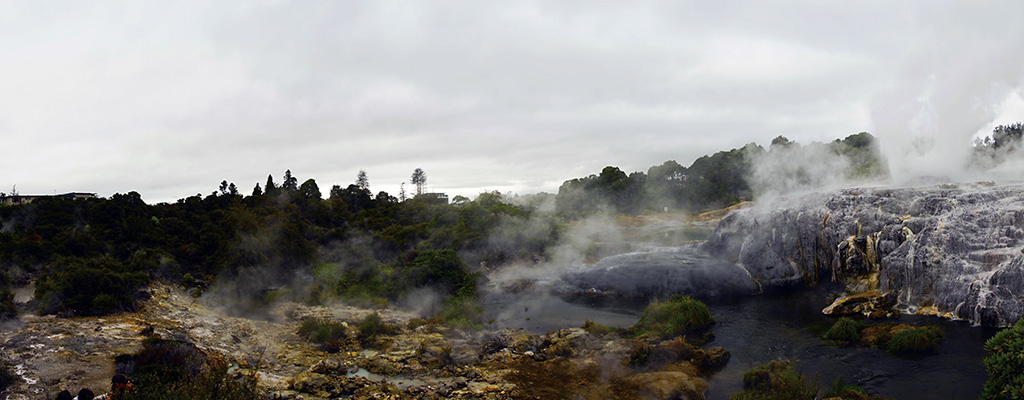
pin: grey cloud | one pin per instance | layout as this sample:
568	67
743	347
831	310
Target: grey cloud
169	99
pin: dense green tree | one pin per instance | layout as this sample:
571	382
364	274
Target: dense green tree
310	190
290	183
442	269
270	187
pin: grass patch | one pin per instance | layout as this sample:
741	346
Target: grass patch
677	316
777	380
596	329
915	340
845	329
842	390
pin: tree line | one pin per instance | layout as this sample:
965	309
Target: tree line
96	256
712	181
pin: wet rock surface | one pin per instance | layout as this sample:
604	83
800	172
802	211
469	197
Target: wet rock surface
873	304
660	272
952	250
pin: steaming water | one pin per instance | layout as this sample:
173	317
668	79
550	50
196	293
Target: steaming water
758	329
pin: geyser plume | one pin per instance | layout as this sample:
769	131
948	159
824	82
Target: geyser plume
950	86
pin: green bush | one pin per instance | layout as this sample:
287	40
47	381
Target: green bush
678	315
845	329
1004	366
88	286
442	269
915	340
462	312
371	327
776	380
175	370
323	331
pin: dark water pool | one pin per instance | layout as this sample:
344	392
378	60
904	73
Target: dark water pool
762	328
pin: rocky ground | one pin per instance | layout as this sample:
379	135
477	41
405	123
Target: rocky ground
428	361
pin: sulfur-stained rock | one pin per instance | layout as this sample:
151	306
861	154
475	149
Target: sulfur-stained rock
711	359
380	365
872	304
567	342
328	366
517	341
329	386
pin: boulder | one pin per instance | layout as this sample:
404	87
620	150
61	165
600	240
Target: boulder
517	341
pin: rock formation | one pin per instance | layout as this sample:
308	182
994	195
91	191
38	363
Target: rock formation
953	250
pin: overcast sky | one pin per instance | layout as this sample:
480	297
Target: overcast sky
170	98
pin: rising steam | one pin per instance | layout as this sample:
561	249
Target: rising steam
952	85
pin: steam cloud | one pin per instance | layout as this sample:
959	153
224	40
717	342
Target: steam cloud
954	81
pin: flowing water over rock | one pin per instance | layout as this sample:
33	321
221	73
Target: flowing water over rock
952	250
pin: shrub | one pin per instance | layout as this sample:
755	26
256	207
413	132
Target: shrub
323	331
442	269
416	323
1005	370
160	380
776	380
370	327
88	286
596	329
679	315
167	360
845	329
915	339
462	312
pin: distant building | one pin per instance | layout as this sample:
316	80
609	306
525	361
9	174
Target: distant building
25	199
440	198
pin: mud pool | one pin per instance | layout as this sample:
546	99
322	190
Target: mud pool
758	329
